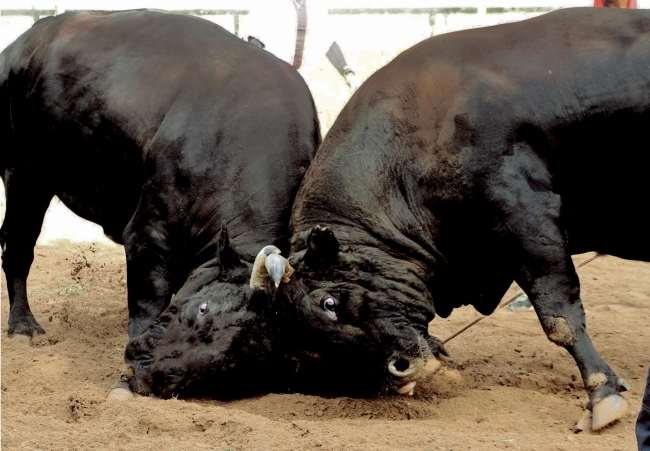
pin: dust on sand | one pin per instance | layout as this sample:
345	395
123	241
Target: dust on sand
510	388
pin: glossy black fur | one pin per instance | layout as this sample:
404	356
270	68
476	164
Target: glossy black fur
472	160
158	127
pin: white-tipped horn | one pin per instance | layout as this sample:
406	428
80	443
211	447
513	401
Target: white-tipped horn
268	250
275	266
269	262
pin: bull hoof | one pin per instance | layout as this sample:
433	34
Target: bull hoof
120	394
607	411
584	423
21	338
25	328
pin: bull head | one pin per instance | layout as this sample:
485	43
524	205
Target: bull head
215	337
339	309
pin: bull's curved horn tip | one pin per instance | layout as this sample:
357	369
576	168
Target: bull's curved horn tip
276	267
269	250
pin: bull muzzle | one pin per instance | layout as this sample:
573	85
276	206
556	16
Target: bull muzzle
408	370
404	367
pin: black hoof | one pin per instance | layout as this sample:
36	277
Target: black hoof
27	326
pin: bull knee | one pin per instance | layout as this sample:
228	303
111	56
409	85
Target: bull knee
559	331
596	381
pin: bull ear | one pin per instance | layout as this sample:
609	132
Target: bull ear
226	252
322	247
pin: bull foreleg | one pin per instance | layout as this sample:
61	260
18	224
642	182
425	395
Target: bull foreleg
555	296
149	277
530	221
26	207
149	286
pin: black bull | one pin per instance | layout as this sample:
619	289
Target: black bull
472	160
161	128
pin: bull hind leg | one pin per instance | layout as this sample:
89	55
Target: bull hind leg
26	202
530	217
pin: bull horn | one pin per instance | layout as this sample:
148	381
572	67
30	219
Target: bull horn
269	263
275	265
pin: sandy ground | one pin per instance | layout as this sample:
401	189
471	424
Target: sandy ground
509	388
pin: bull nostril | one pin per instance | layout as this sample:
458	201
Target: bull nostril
402	365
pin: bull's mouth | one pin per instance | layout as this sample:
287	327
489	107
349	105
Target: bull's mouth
407	389
406	372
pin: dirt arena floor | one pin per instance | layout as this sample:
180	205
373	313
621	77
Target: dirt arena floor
509	387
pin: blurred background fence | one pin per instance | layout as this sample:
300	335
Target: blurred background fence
370	32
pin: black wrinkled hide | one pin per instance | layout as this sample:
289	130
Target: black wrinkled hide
162	129
227	352
472	160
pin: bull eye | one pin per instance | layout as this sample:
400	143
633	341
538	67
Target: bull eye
329	305
203	308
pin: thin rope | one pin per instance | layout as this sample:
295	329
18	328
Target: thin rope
507	302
